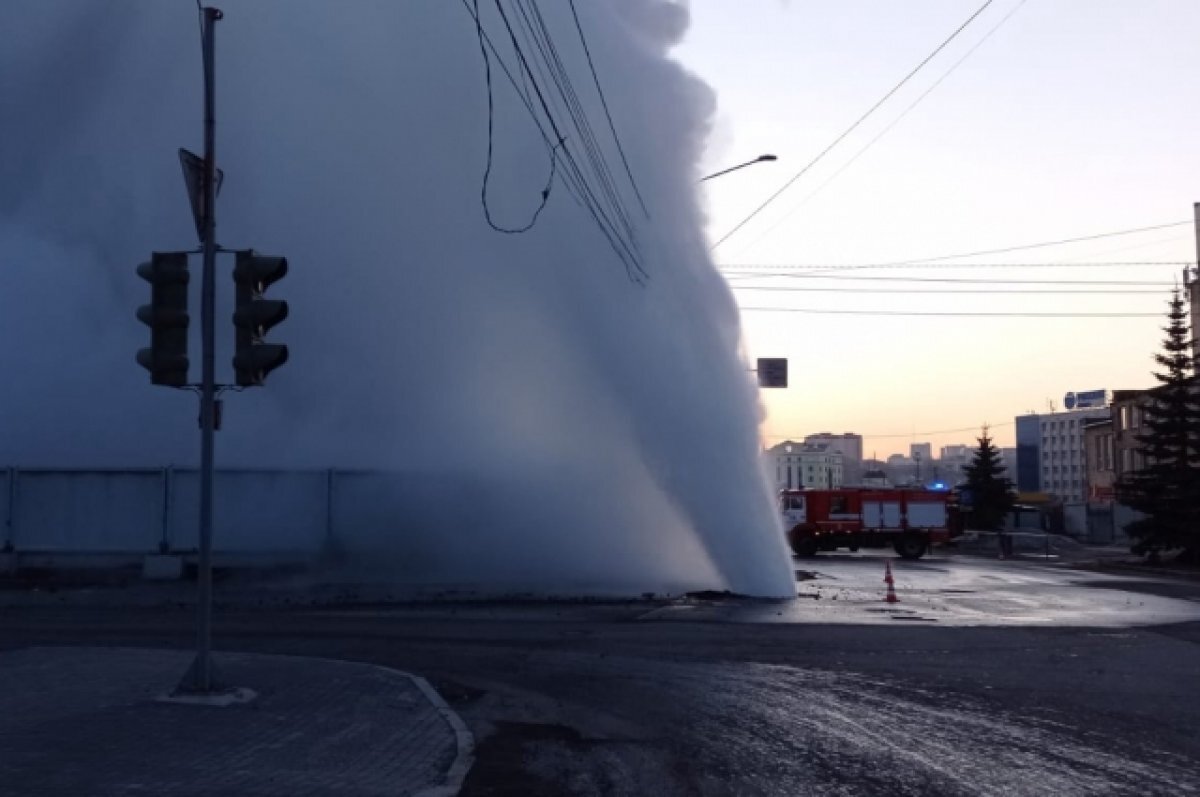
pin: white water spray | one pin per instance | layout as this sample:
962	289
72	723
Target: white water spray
549	424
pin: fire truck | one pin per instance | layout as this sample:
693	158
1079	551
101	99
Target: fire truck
908	519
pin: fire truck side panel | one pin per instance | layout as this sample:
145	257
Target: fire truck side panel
881	514
926	514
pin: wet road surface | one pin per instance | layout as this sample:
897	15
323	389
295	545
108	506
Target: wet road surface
1031	680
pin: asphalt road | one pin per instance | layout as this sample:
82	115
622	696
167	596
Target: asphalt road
1004	678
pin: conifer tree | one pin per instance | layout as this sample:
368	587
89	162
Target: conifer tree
1167	488
991	495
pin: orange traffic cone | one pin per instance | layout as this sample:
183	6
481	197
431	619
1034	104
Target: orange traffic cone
891	588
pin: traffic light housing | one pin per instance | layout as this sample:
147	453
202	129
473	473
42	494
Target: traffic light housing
253	316
166	359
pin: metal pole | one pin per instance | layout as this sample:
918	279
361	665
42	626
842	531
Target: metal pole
1196	222
1193	289
164	541
200	676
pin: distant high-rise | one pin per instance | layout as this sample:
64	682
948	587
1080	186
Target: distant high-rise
920	452
849	445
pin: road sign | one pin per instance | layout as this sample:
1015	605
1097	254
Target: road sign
193	178
772	372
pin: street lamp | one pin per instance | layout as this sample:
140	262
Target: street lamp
759	159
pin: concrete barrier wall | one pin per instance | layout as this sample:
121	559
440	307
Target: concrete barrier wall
141	511
254	511
93	511
5	507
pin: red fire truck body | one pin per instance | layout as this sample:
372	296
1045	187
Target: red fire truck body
910	520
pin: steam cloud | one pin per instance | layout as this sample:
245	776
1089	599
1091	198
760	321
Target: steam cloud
576	431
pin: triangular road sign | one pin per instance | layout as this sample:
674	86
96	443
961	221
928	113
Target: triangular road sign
193	178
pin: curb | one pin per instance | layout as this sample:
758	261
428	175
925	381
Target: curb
464	758
464	755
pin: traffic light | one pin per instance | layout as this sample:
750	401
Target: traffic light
254	315
167	317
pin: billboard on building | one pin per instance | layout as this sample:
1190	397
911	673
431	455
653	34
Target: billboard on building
1085	399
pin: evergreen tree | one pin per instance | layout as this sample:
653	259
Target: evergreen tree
1167	489
991	495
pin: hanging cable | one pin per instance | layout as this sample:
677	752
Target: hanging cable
607	113
948	314
953	67
623	248
854	126
487	171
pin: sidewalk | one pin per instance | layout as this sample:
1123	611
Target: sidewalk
1036	545
87	721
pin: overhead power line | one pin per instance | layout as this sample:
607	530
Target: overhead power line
966	280
487	170
933	87
927	433
951	291
1040	245
949	313
614	229
730	268
607	113
543	44
853	126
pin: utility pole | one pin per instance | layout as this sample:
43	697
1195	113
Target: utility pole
1192	282
199	678
167	361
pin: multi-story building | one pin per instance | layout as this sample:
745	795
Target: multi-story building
1050	453
901	471
922	456
849	445
1127	418
874	475
1098	457
951	466
801	465
1008	457
957	451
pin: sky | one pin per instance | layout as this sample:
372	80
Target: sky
1072	118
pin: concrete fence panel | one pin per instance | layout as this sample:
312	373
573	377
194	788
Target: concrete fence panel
7	483
86	511
255	511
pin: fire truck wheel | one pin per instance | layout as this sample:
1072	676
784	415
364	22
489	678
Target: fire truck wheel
911	546
805	546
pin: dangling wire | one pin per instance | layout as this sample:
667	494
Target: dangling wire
487	171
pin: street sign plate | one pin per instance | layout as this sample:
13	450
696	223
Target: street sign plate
772	372
193	179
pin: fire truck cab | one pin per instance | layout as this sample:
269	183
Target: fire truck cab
910	520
